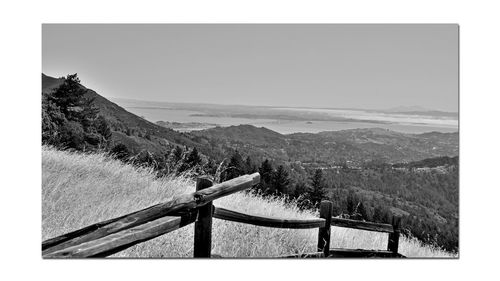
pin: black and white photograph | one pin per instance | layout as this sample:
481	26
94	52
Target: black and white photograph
250	141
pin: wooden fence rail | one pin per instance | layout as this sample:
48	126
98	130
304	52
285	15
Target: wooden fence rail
114	235
224	214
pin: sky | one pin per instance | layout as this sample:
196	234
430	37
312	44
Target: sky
299	65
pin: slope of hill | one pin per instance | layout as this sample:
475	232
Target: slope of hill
81	189
50	83
128	128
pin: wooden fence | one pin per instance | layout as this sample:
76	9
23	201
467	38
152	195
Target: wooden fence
114	235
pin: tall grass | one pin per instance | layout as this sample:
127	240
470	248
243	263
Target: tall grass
82	189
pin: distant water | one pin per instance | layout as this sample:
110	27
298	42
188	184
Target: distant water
398	122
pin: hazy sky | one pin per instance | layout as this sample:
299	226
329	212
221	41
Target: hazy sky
361	66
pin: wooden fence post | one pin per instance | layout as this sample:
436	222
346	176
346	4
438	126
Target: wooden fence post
394	237
203	225
325	212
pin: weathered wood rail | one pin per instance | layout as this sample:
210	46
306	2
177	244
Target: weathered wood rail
109	237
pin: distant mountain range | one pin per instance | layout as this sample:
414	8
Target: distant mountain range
284	112
326	148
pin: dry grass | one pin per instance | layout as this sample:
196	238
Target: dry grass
78	190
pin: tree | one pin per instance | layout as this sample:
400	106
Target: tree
300	189
210	168
378	214
175	155
72	135
351	203
189	161
70	119
193	158
266	171
103	129
120	151
266	174
236	166
317	192
360	212
52	121
250	167
280	180
69	97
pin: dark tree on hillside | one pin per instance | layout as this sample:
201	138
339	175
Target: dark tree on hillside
317	192
193	158
351	203
210	167
250	167
175	155
103	129
70	119
266	175
266	171
52	121
236	166
120	151
69	97
378	214
362	212
300	189
72	135
280	180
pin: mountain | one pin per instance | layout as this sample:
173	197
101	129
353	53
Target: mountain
406	108
325	148
418	110
127	128
246	135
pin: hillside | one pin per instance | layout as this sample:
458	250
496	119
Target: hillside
128	128
50	83
81	189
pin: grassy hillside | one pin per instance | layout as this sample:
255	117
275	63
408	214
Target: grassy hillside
78	190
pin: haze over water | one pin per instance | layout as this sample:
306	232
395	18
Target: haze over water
282	119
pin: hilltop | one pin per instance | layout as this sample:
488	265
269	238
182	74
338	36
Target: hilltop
82	189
